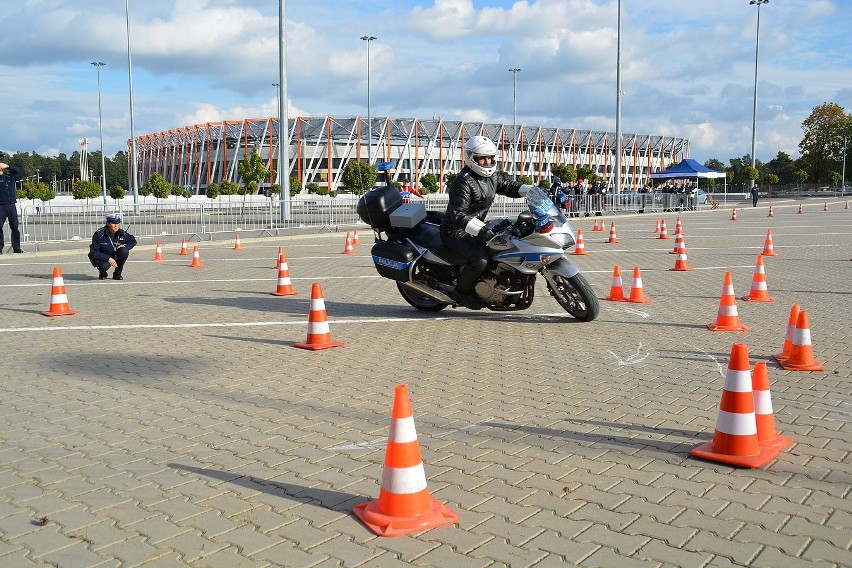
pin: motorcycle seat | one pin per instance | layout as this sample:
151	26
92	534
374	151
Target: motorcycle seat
429	236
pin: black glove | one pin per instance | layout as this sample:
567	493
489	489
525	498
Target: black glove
485	235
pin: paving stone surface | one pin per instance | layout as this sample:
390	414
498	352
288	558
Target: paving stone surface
172	422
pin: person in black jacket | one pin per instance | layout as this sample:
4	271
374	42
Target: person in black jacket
463	229
110	247
9	175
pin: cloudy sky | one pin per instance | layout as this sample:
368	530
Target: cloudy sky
687	67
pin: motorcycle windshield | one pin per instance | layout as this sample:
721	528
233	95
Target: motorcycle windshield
540	204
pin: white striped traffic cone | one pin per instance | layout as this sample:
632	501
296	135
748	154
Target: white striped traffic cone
404	505
319	335
58	298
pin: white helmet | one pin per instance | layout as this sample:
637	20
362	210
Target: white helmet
480	146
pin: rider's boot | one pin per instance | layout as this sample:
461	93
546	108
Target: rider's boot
464	294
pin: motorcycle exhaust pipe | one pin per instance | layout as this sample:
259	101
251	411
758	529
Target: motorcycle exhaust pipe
436	295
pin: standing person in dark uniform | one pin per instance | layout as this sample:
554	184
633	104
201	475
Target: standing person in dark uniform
754	195
9	175
463	229
110	247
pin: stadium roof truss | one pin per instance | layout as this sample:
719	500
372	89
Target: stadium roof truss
320	147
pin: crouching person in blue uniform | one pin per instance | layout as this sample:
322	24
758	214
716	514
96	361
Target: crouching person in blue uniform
110	247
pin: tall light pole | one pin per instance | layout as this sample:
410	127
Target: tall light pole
134	182
283	169
368	39
754	110
514	72
843	172
618	106
98	65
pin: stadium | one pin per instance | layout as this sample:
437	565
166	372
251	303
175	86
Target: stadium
321	147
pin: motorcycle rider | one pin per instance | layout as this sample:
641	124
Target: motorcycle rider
463	229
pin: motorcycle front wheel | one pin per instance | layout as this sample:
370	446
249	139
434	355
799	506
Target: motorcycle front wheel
575	295
420	301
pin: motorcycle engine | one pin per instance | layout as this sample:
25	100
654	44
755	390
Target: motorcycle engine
495	287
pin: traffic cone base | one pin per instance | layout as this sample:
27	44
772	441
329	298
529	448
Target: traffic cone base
763	411
319	336
681	263
183	251
801	353
404	505
735	441
58	298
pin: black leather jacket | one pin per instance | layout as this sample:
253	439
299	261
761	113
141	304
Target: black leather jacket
471	196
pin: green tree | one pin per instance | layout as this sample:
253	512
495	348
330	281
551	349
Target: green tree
229	188
157	186
85	190
822	143
782	165
253	169
565	173
177	191
770	179
587	174
295	186
359	177
117	192
316	189
212	191
749	173
273	190
428	184
801	176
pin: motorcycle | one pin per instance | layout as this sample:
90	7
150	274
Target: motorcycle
426	272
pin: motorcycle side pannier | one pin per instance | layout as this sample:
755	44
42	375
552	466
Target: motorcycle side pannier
375	206
393	260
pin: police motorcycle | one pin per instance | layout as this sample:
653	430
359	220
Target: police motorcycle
409	250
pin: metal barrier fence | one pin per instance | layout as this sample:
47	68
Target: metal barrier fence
203	220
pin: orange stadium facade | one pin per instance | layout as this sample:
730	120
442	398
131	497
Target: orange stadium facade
321	147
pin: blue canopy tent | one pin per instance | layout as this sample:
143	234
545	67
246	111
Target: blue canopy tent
689	169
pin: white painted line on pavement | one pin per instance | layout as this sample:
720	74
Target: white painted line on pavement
637	357
718	365
131	283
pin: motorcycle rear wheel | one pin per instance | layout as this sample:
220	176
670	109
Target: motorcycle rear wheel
420	301
576	296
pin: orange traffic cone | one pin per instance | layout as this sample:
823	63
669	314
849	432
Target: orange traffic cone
768	249
678	226
355	240
801	209
404	505
735	439
764	414
183	251
801	353
759	291
679	244
278	262
581	244
196	258
771	214
237	245
348	249
616	291
788	337
681	262
598	227
285	287
158	252
664	232
319	336
847	205
613	238
734	214
657	228
58	298
637	295
825	207
727	318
